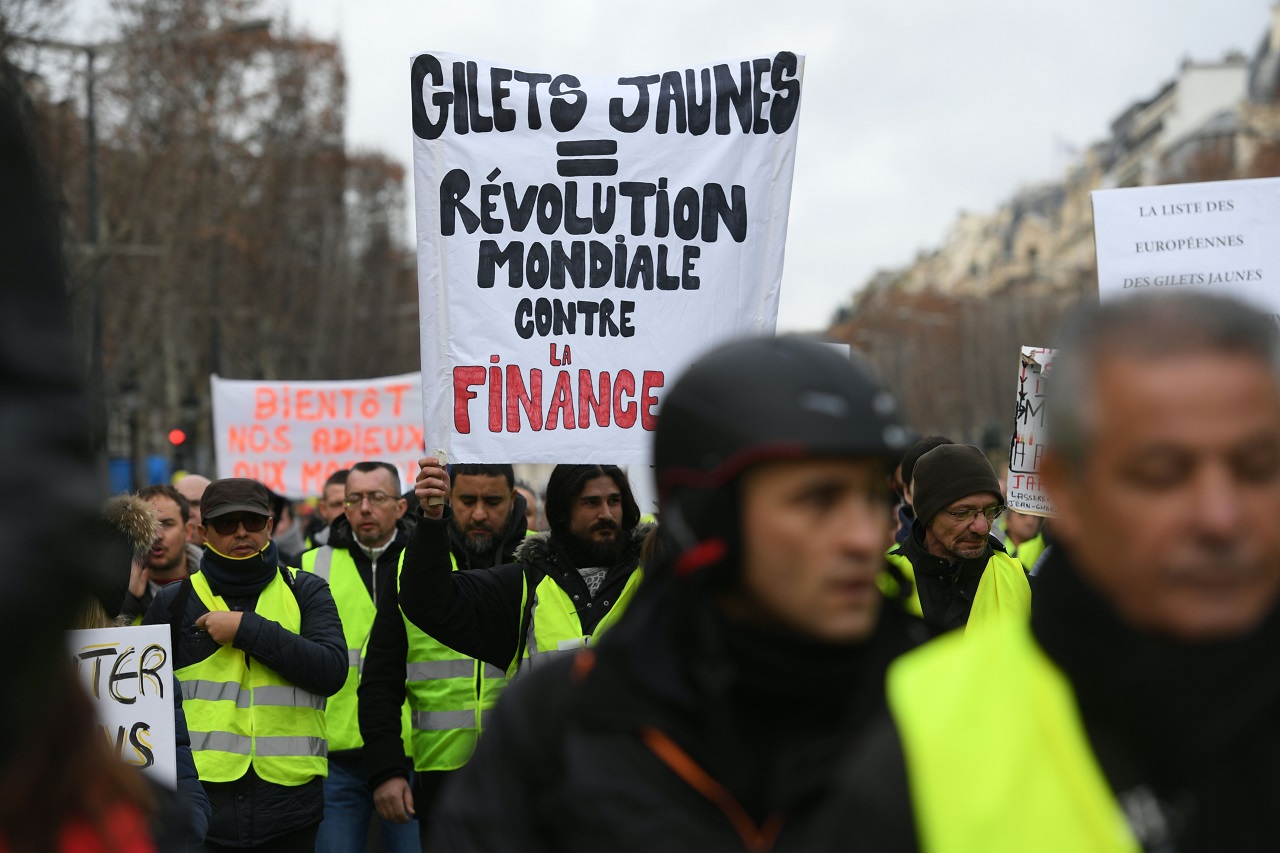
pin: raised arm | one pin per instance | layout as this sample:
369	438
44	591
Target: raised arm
477	612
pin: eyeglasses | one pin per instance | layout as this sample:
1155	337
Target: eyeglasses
964	516
375	499
227	524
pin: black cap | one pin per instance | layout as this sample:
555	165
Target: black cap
948	473
235	494
915	451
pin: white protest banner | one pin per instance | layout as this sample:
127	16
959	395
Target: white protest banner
582	239
1217	237
128	674
291	436
1025	492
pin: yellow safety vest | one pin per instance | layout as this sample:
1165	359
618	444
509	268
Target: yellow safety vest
1002	593
450	696
1028	552
554	626
356	609
242	712
996	753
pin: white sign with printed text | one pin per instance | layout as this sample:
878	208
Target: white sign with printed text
1215	237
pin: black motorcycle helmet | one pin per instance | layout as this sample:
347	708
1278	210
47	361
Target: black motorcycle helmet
750	401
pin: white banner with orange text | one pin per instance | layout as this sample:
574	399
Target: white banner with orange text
291	436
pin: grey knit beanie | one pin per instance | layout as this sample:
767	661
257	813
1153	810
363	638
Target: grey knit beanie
948	473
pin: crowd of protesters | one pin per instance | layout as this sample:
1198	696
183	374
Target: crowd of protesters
831	637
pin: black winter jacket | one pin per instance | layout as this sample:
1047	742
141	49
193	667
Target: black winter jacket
190	791
1190	732
382	683
249	811
946	589
478	613
681	731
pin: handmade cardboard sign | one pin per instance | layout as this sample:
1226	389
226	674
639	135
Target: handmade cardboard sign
1025	492
128	675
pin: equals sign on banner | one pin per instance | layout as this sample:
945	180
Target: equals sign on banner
587	158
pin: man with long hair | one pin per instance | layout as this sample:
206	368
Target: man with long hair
566	585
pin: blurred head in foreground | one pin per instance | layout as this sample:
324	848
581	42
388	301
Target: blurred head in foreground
1164	461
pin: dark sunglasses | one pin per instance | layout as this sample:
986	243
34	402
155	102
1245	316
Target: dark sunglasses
227	524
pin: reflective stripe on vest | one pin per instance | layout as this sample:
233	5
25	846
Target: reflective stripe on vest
449	696
431	670
1021	775
268	746
554	626
357	611
285	695
1003	591
322	566
243	713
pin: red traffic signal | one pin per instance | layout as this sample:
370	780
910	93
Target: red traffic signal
177	436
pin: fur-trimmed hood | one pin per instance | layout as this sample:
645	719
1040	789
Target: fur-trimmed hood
536	549
131	526
135	520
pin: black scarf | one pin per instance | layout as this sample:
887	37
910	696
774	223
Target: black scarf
779	668
926	563
946	589
796	701
1197	724
231	577
765	711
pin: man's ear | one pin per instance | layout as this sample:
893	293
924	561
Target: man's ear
271	525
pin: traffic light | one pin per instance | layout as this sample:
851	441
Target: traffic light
178	440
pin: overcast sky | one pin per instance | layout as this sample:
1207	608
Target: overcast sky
912	111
